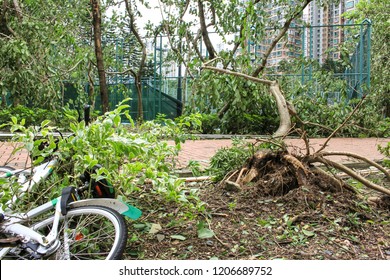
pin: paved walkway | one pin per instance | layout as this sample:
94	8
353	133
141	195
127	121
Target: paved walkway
203	150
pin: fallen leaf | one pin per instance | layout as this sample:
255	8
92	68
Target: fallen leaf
178	237
308	233
205	233
160	237
155	228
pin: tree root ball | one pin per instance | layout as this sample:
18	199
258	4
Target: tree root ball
276	174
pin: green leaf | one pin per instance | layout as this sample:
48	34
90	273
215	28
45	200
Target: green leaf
178	237
204	233
139	226
29	146
308	233
45	123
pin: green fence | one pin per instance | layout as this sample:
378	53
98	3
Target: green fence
348	60
165	95
154	101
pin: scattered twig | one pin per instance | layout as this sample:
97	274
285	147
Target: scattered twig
219	214
337	244
380	251
197	179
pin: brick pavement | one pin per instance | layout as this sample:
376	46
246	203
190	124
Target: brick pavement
203	150
11	156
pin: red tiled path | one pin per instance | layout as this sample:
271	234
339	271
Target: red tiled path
203	150
11	156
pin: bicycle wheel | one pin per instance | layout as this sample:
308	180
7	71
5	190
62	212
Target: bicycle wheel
87	233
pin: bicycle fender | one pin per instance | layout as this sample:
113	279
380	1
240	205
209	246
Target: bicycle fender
119	206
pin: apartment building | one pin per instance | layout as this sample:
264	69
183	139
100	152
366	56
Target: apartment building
319	42
326	33
287	48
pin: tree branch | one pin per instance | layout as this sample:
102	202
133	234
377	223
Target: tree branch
342	125
137	35
349	172
242	75
285	121
18	10
205	34
286	26
241	34
137	75
359	157
176	50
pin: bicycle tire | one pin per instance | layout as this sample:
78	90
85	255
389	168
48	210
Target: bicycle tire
85	239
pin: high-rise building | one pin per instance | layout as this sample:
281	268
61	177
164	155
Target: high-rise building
326	34
288	47
320	41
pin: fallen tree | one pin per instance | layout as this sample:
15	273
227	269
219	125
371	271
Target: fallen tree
278	171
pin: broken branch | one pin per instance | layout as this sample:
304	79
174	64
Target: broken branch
350	172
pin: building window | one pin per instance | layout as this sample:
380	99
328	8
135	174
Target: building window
349	5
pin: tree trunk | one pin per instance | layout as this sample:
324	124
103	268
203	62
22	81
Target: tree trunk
283	110
137	75
205	34
3	100
91	91
97	35
138	85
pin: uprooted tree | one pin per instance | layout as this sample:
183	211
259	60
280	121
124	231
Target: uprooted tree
279	171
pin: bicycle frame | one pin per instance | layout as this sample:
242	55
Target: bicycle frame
50	242
13	223
39	173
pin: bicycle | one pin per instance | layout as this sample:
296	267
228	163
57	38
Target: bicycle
79	228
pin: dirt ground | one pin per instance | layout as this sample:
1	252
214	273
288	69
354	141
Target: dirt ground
290	221
306	223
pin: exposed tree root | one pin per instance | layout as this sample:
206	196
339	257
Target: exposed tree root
277	173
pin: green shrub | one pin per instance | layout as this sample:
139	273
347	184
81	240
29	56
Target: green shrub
385	150
130	156
226	160
35	116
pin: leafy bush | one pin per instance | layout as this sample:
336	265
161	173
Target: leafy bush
35	116
385	150
131	157
226	160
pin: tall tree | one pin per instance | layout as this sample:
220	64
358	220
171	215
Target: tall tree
137	74
97	36
245	21
41	46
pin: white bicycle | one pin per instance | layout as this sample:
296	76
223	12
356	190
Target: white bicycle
78	229
66	227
